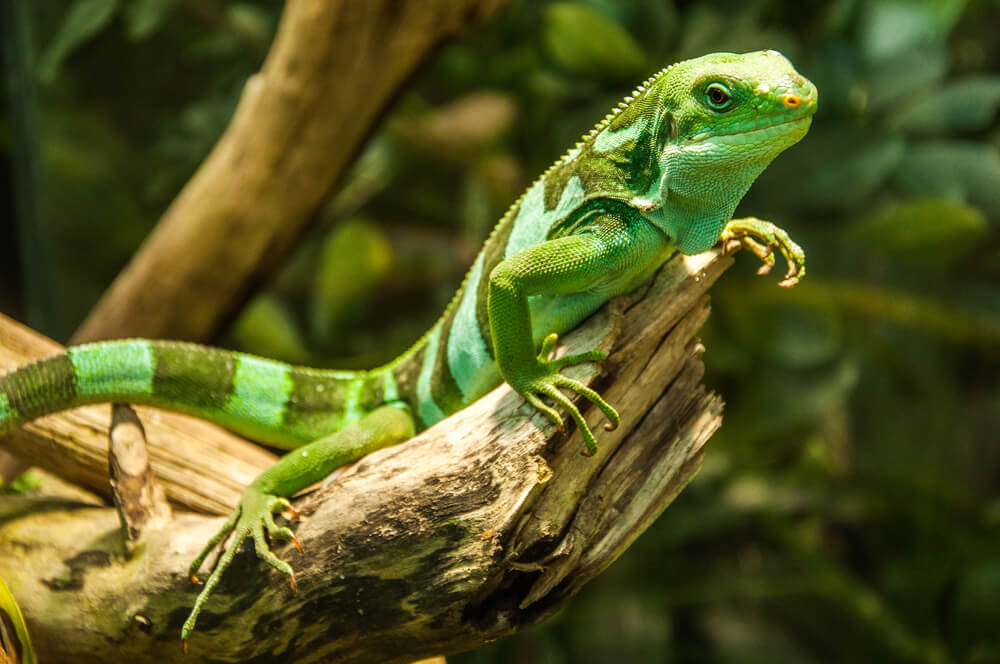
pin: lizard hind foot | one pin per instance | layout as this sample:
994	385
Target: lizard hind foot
250	520
545	380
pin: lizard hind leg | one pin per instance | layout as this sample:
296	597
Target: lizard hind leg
253	518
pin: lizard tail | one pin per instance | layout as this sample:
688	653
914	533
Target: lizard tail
267	400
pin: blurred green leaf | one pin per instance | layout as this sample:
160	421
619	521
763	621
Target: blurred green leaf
853	165
651	22
252	21
586	43
143	17
737	28
748	638
968	104
801	338
782	401
910	73
892	26
924	313
926	231
963	170
977	611
84	20
266	327
354	258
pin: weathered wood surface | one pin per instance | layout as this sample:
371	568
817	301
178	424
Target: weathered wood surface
480	526
333	67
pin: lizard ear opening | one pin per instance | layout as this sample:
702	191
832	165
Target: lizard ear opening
668	130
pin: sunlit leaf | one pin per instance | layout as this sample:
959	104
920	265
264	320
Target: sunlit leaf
84	20
586	43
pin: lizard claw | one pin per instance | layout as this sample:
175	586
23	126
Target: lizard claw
295	540
288	511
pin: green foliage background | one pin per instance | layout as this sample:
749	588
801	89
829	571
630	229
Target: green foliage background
848	510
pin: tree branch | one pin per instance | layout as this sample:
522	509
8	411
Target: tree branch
480	526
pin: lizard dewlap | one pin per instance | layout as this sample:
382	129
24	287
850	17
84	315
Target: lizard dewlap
662	172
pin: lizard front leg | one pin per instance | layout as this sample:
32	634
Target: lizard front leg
608	254
254	516
762	238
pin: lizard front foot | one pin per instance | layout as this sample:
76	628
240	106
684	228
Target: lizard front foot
543	379
251	518
761	238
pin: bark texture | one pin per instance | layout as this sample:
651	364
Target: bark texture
332	68
483	525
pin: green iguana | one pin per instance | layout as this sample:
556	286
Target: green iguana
662	172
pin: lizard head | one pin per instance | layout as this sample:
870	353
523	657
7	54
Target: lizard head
729	115
753	100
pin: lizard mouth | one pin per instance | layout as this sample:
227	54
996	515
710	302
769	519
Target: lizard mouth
758	134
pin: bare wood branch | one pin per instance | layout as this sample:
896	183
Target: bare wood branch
200	466
11	466
479	527
330	72
139	498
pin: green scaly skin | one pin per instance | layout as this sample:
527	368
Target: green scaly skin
663	171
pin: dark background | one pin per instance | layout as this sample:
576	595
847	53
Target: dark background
848	510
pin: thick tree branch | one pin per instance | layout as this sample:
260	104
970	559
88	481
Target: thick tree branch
330	72
475	529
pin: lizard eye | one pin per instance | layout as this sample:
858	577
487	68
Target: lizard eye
718	97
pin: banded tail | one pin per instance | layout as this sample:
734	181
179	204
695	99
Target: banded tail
263	399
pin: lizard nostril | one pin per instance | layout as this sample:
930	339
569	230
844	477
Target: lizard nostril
791	100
